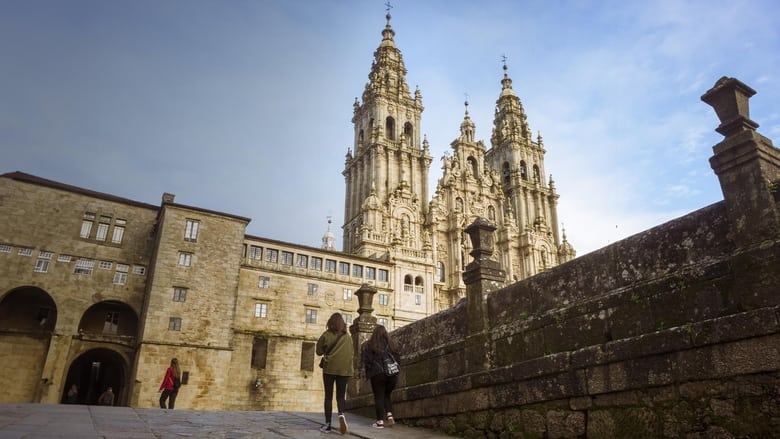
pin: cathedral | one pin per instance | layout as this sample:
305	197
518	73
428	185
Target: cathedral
387	214
97	290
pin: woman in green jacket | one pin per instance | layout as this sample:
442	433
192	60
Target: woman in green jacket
335	346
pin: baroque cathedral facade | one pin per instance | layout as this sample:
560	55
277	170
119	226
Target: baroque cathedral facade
386	210
97	290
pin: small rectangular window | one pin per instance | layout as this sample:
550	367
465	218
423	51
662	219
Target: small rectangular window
308	349
347	294
316	263
255	252
312	289
44	255
259	353
119	233
179	294
383	299
344	268
383	275
311	315
357	270
86	228
271	255
84	266
185	259
191	230
102	230
382	321
261	310
370	273
112	322
139	270
174	324
122	268
24	251
301	261
41	266
5	248
347	318
287	258
64	258
264	282
105	265
330	266
418	299
120	278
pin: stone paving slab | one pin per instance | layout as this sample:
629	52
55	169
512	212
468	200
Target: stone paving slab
49	421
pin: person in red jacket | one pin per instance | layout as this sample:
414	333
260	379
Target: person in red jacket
170	384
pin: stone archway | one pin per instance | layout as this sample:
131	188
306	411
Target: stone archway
93	371
28	316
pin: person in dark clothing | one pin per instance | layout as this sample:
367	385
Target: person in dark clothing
373	354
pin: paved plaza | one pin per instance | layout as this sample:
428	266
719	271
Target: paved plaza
44	421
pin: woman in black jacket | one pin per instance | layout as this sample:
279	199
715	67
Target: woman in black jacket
374	352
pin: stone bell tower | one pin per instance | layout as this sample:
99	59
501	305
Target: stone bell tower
386	170
533	243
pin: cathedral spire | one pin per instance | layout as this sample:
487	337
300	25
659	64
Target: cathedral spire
510	123
467	127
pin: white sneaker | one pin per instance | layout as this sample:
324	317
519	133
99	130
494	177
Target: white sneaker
343	424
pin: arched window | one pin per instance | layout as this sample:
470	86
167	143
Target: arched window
523	170
440	271
473	163
459	204
408	132
418	285
492	213
360	137
390	128
506	173
536	175
408	287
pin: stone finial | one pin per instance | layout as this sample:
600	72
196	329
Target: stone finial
481	234
482	267
729	97
365	321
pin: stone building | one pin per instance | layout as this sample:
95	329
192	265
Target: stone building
97	290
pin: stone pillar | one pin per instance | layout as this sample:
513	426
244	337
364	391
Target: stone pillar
746	163
748	168
361	330
482	276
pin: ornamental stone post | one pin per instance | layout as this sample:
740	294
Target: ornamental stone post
482	276
746	163
748	168
361	330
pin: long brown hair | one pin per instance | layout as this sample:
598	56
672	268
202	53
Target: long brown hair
176	369
336	324
380	340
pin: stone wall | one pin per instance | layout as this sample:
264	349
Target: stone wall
672	332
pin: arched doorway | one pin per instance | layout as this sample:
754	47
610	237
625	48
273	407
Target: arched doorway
28	316
92	372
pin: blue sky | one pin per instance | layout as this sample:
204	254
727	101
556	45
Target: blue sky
245	106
